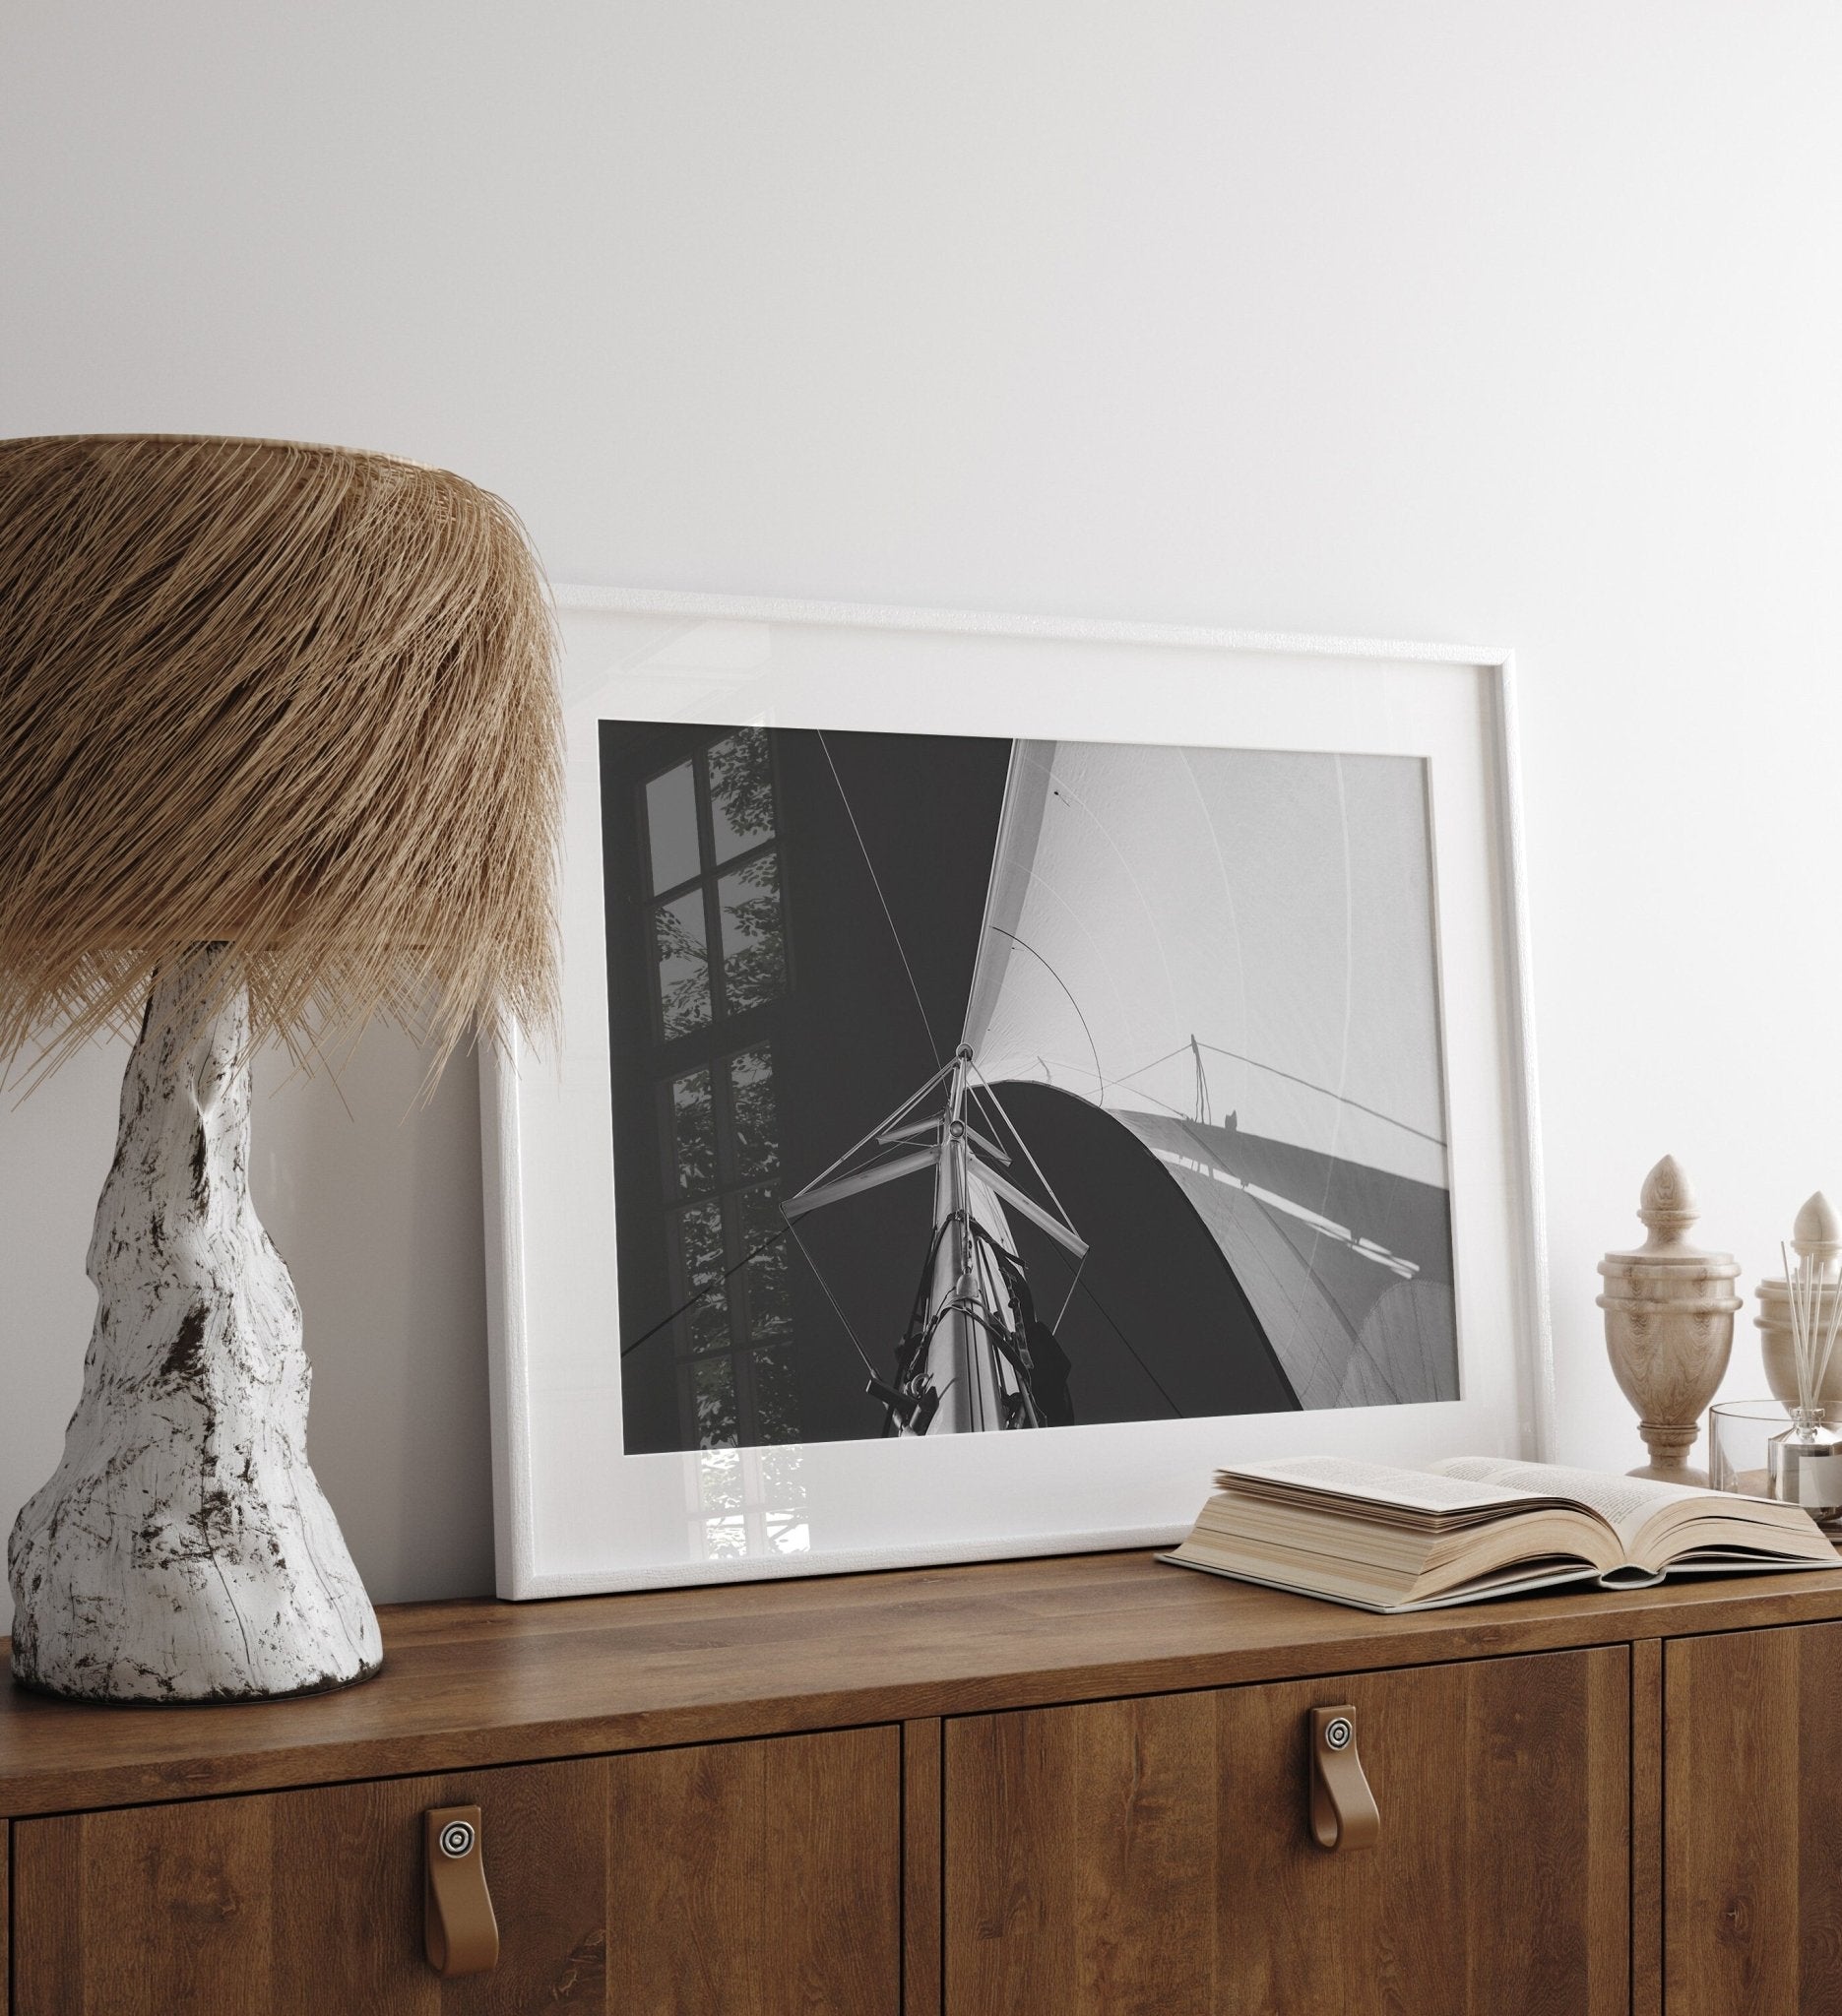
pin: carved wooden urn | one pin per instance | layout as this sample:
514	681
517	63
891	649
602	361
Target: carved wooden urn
1669	1324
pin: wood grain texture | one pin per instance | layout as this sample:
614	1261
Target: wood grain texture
921	1868
1154	1854
177	1899
1647	1738
1753	1852
472	1684
762	1876
296	1903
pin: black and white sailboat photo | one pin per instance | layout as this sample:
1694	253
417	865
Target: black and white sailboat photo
964	1085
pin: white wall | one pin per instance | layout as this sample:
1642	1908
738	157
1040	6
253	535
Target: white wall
1510	322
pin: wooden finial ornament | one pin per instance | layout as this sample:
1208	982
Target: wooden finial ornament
1816	1233
1669	1309
1667	1207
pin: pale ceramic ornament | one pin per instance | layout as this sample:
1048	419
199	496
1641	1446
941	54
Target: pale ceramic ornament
183	1549
1777	1346
1669	1324
1803	1463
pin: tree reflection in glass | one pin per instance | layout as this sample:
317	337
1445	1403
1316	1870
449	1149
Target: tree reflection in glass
694	1134
683	964
710	821
742	793
751	1101
754	959
712	1392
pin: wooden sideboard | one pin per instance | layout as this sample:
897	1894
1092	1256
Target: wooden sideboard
1072	1785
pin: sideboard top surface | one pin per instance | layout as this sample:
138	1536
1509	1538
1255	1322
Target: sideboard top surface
478	1683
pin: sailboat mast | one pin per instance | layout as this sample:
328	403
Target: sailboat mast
964	1365
959	1360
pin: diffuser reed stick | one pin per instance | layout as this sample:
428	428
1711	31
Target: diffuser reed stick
1803	1463
1815	1292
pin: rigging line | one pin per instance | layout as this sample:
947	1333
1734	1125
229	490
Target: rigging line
1107	1316
1025	1146
772	1240
1127	1077
1099	1077
908	1105
1139	1091
1343	1098
880	896
1060	1314
833	1300
1269	1202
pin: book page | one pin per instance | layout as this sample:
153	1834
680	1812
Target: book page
1625	1503
1419	1490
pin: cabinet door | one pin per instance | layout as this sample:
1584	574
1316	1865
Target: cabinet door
759	1876
1752	1823
1156	1856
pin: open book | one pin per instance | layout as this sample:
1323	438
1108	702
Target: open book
1475	1526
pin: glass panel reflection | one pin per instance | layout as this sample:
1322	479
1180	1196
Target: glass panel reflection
713	1396
754	964
684	974
749	1503
751	1101
742	793
777	1396
671	826
694	1134
700	1249
768	1285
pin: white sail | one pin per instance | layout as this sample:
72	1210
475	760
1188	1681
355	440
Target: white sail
1231	952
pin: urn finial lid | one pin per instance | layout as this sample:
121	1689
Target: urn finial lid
1668	1208
1667	1204
1817	1233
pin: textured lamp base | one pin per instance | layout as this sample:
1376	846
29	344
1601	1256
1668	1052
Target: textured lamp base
183	1550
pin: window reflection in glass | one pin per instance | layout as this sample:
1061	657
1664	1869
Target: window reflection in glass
749	1503
713	1397
711	830
694	1134
751	1104
671	826
768	1286
700	1249
683	973
742	793
754	966
777	1396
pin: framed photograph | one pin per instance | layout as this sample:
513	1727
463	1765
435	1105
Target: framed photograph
1010	1068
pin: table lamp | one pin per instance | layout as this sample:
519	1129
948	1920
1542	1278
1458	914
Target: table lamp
278	754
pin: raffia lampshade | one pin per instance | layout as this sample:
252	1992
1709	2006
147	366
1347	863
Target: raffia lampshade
280	751
295	701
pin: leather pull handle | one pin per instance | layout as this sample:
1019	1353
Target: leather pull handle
1344	1813
460	1933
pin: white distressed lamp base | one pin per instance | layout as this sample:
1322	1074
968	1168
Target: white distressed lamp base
183	1549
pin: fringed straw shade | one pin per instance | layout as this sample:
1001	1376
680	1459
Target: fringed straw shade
297	701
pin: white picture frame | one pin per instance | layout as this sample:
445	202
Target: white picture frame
574	1513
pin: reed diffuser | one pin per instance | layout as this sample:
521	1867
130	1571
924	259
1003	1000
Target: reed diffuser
1803	1463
